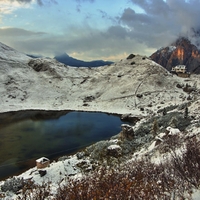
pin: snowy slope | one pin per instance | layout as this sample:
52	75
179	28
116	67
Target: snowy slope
137	86
11	55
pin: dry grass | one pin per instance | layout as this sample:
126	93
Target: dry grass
144	180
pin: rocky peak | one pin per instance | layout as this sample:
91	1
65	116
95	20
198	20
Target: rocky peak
180	52
182	41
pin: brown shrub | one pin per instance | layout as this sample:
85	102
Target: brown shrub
172	179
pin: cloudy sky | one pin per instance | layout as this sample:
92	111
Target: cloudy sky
95	29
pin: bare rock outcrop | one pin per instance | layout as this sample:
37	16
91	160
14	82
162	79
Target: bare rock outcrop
181	52
114	150
127	132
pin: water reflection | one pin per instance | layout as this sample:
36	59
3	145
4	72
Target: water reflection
25	136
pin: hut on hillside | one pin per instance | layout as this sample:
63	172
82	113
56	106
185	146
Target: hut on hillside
180	70
42	163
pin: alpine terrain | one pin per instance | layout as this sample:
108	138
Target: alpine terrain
155	156
181	52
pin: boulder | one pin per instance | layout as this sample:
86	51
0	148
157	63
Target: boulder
130	118
42	172
114	150
131	56
127	132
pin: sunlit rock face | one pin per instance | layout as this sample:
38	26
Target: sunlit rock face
181	52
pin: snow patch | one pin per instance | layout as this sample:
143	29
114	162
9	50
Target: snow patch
172	131
171	48
11	55
114	146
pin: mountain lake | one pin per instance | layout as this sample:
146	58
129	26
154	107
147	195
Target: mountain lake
28	135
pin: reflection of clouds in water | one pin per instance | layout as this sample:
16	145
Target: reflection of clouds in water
29	139
8	167
29	126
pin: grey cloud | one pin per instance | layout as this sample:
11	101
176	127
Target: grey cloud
91	1
153	6
185	12
130	17
106	16
103	13
78	8
116	32
18	32
162	21
159	25
40	2
146	28
91	42
22	1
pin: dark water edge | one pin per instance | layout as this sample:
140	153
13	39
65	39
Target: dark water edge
27	135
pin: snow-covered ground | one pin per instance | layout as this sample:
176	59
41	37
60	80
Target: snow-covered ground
136	86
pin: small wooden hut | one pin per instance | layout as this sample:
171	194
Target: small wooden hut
42	162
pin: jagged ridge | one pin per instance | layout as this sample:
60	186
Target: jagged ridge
181	52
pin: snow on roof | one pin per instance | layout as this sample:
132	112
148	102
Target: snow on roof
55	171
180	67
42	160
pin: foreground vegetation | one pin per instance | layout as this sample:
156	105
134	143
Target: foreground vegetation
173	178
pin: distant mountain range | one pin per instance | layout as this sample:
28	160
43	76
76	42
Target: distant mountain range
67	60
70	61
181	52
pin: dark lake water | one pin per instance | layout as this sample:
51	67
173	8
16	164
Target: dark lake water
26	136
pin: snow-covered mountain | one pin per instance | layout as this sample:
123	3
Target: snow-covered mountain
166	105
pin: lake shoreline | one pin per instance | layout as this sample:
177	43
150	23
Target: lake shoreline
7	119
62	110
